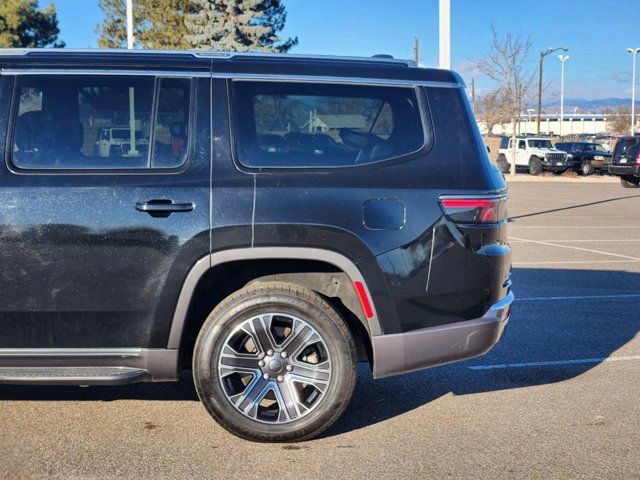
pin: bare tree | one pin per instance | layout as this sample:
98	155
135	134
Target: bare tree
618	119
491	109
505	65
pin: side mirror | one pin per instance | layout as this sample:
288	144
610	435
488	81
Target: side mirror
488	150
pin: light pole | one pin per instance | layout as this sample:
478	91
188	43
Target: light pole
634	52
129	24
444	14
548	51
562	58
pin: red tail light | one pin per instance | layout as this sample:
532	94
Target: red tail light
638	159
475	210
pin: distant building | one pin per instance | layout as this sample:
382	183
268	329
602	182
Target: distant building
325	123
573	124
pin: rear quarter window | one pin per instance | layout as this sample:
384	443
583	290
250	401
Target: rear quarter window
302	125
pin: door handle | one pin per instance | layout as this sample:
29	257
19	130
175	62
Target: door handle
163	208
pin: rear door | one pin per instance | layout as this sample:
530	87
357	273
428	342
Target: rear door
97	233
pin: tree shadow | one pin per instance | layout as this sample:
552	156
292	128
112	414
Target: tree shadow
539	330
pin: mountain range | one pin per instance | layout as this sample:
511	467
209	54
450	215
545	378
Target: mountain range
589	105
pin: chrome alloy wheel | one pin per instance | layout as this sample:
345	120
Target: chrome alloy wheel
275	368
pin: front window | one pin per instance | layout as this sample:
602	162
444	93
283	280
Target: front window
544	144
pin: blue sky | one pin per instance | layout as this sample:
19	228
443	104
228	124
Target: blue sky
597	33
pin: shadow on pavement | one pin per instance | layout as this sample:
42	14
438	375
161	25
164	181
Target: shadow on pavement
539	330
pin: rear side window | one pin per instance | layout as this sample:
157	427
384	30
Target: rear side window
101	122
324	125
626	146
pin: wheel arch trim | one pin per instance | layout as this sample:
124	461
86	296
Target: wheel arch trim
203	265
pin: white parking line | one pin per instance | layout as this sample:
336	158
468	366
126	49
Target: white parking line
549	363
620	240
569	226
539	242
563	262
578	297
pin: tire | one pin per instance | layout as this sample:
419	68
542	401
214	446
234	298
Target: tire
219	380
587	169
629	182
503	164
535	166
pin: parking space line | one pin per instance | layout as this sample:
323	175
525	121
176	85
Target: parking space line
617	240
539	242
563	262
571	226
578	297
548	363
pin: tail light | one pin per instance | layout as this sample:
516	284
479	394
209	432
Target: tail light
638	159
475	210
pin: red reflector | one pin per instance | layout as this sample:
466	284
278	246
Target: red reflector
364	299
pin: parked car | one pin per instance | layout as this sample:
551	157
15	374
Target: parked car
586	157
266	255
117	142
534	154
626	161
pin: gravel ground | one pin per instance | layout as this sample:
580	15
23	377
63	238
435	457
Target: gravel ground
557	398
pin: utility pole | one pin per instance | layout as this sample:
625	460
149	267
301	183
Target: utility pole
445	34
132	98
634	52
129	24
562	58
473	95
416	50
542	55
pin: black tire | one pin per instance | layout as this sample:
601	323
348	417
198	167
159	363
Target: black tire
535	166
587	169
287	299
503	164
629	182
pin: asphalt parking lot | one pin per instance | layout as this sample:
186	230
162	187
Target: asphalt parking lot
557	398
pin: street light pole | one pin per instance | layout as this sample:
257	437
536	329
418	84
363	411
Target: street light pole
562	58
634	52
444	13
130	24
548	51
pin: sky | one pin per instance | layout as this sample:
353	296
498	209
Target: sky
595	31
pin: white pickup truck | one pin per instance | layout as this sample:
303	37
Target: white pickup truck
534	154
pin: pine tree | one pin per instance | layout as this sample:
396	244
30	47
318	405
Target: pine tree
158	24
238	25
23	24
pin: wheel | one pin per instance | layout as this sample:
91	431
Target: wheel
587	169
503	164
535	166
274	362
629	182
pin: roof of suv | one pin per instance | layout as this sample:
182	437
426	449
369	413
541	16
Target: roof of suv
227	63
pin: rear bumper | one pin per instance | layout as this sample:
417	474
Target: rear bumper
622	170
399	353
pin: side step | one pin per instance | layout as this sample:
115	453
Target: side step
72	375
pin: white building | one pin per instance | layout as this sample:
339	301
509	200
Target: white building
573	124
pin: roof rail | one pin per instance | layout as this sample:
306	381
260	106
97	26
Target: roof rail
205	54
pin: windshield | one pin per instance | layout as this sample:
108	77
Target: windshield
540	144
124	134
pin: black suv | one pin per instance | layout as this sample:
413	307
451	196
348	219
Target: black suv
626	161
264	220
586	157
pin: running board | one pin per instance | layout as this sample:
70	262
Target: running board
72	375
